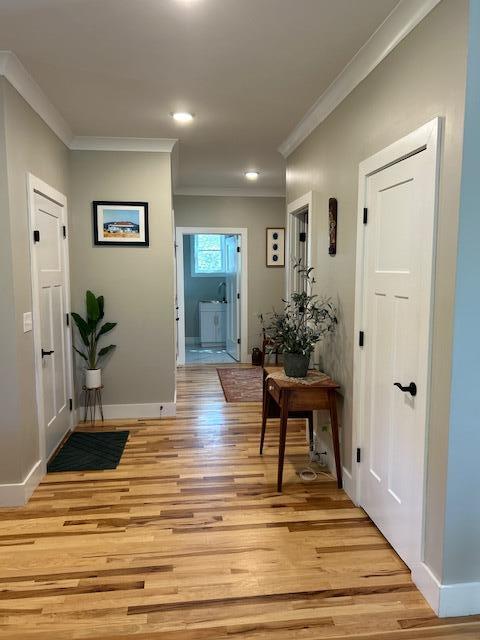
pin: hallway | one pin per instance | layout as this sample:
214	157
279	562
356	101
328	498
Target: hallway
188	540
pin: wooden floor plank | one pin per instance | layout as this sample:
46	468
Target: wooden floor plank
188	540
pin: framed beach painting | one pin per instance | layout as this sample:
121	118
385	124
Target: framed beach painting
120	223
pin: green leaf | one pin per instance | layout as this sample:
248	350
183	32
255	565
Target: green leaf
101	306
108	326
93	310
81	354
105	350
82	328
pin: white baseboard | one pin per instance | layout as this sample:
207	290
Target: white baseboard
133	411
18	494
428	584
447	600
348	484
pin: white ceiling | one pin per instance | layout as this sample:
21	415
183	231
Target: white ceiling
247	69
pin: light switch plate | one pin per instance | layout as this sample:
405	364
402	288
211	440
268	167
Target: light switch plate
27	322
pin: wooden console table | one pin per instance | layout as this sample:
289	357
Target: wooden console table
286	398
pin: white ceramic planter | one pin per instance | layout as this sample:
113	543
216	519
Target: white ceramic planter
93	378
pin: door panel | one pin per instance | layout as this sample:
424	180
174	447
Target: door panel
232	293
51	276
394	264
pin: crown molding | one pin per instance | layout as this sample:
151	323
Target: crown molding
93	143
397	25
232	192
16	74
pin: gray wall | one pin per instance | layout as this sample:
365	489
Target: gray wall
422	78
137	282
27	145
196	289
462	511
265	285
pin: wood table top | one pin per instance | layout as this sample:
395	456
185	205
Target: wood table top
301	383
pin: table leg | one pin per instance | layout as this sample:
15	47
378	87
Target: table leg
100	402
283	438
332	401
266	406
310	431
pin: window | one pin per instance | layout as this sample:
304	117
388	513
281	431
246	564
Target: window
208	257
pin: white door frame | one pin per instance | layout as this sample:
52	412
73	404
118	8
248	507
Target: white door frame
187	231
307	201
427	140
35	185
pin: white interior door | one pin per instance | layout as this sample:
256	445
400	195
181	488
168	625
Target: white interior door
232	243
51	284
396	322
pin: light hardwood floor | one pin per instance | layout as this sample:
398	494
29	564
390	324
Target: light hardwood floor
188	540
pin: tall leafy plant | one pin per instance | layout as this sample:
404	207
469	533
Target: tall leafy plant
90	332
305	320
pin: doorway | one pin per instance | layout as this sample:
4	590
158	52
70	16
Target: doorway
299	244
211	295
51	313
395	252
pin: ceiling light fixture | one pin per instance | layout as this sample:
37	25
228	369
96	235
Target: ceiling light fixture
182	116
251	175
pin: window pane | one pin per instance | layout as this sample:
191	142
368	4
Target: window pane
208	242
208	261
209	253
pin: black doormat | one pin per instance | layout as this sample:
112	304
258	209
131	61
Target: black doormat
90	451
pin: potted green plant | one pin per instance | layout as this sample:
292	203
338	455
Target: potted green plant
304	321
90	334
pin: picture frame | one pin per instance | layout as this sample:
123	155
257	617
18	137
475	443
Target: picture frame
120	224
275	246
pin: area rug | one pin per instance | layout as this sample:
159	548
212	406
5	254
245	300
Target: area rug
90	451
241	384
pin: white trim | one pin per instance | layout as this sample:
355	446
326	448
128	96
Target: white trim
186	231
398	24
17	494
92	143
428	584
35	185
447	600
132	411
308	201
425	138
235	192
16	74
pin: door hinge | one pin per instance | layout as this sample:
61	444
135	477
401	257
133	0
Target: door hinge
361	338
238	296
36	235
70	404
67	317
303	236
359	454
365	215
238	249
64	230
238	340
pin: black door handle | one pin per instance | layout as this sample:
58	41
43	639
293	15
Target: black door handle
411	389
47	353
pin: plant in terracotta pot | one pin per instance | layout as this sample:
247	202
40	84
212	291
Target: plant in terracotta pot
305	320
90	333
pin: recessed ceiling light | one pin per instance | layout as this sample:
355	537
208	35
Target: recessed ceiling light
251	175
182	116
